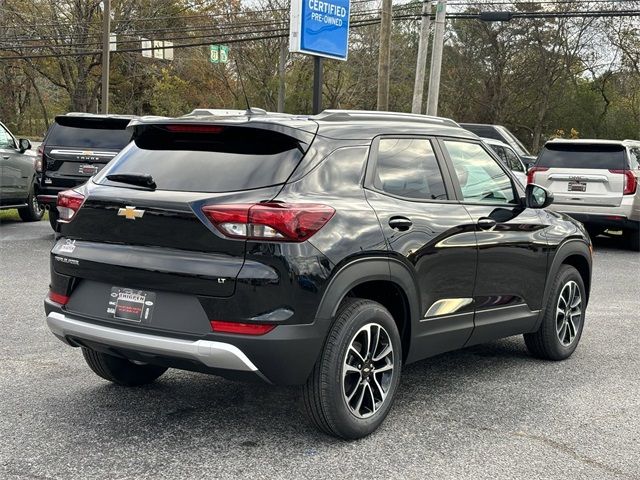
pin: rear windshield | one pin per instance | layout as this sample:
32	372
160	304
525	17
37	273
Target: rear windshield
89	134
610	157
228	160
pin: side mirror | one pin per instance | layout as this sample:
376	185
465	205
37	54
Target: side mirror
537	196
24	145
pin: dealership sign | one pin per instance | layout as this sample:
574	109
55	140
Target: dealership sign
319	27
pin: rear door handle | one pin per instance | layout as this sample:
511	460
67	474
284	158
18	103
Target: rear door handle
486	223
400	223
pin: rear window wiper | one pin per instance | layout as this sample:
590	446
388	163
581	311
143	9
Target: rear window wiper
138	179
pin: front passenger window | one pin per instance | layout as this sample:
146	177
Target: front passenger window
481	178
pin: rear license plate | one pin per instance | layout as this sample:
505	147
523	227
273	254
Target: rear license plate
577	187
132	305
88	169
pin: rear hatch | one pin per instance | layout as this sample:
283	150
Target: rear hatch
159	240
78	147
589	174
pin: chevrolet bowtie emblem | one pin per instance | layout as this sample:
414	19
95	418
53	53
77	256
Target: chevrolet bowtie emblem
130	213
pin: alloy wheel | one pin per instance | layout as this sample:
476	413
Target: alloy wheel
367	370
568	313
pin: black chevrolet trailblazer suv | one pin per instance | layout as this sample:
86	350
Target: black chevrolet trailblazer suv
324	251
77	146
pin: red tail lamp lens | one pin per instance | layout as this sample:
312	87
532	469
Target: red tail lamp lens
630	181
69	202
241	328
269	221
58	298
194	128
531	174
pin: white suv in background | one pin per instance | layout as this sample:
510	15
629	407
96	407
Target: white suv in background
595	182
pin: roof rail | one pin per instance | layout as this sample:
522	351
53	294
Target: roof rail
221	112
345	115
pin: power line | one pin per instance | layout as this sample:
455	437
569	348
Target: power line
362	23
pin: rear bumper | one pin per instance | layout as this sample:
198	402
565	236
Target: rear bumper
625	216
210	354
284	356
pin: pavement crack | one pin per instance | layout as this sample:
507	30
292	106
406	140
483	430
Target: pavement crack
561	447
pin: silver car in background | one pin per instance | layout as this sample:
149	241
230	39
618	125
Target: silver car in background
595	182
509	158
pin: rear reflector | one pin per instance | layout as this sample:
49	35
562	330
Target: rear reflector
69	202
269	221
58	298
630	181
194	128
241	328
531	174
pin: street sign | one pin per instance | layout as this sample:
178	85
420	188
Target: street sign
320	28
218	53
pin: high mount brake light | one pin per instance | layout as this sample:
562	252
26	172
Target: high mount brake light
531	174
194	128
69	202
630	181
282	222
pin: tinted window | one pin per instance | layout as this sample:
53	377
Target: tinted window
6	141
567	155
408	168
481	178
512	161
69	136
232	159
634	156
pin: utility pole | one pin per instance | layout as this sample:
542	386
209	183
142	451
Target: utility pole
421	63
384	58
281	74
317	85
436	58
106	33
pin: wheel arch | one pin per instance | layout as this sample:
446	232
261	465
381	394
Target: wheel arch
381	279
576	253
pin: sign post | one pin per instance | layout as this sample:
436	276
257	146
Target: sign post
319	28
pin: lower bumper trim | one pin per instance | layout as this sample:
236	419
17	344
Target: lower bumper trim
211	354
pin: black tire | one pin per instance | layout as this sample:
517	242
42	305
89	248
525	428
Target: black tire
119	370
33	212
323	397
546	343
53	217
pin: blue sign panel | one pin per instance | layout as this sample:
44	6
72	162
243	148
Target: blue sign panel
323	28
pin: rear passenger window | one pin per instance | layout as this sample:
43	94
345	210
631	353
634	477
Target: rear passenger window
407	167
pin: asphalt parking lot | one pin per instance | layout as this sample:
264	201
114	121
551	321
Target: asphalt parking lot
489	411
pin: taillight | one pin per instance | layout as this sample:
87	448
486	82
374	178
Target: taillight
69	202
241	328
630	181
531	174
58	298
39	165
186	128
269	221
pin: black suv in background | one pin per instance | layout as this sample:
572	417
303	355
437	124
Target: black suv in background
324	251
76	147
